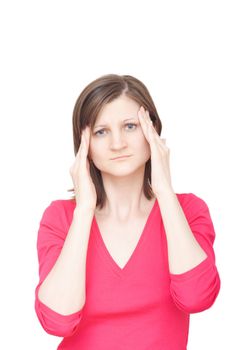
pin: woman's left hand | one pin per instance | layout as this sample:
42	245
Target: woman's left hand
160	168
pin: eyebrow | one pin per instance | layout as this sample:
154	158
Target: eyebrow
106	124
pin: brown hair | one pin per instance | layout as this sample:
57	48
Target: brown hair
95	95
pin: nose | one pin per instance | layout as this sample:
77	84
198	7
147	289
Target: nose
118	141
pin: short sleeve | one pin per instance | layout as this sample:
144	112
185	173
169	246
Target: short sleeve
196	290
51	236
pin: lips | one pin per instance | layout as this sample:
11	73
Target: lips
121	157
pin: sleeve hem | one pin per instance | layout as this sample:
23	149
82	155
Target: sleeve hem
54	315
59	318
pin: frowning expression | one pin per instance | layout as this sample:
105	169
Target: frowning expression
117	132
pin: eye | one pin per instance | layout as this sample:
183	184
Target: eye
99	131
131	124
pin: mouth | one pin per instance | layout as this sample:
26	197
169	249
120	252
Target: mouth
121	157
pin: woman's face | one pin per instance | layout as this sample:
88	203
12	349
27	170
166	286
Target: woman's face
117	132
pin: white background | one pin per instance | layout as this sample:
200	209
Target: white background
50	50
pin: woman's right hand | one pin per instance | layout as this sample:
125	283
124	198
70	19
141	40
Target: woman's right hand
84	187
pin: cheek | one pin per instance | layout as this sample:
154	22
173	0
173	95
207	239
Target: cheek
143	148
94	149
142	142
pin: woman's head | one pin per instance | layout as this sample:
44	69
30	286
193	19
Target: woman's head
109	100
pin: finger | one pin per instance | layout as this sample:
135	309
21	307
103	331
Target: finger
87	139
149	123
143	122
87	135
146	117
81	145
79	153
153	132
84	148
152	127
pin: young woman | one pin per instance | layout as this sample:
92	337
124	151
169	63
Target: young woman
124	262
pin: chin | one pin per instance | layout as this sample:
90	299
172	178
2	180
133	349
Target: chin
120	170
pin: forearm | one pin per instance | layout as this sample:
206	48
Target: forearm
63	290
184	252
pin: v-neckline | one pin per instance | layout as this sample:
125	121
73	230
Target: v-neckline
101	244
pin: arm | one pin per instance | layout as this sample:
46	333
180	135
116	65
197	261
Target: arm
60	295
184	252
195	281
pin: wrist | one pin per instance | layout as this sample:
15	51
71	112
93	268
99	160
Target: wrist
84	209
167	191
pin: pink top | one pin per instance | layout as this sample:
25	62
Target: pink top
141	306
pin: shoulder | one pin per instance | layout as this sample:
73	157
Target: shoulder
63	203
198	215
191	202
59	211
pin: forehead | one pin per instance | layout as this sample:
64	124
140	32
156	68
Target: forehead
119	108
